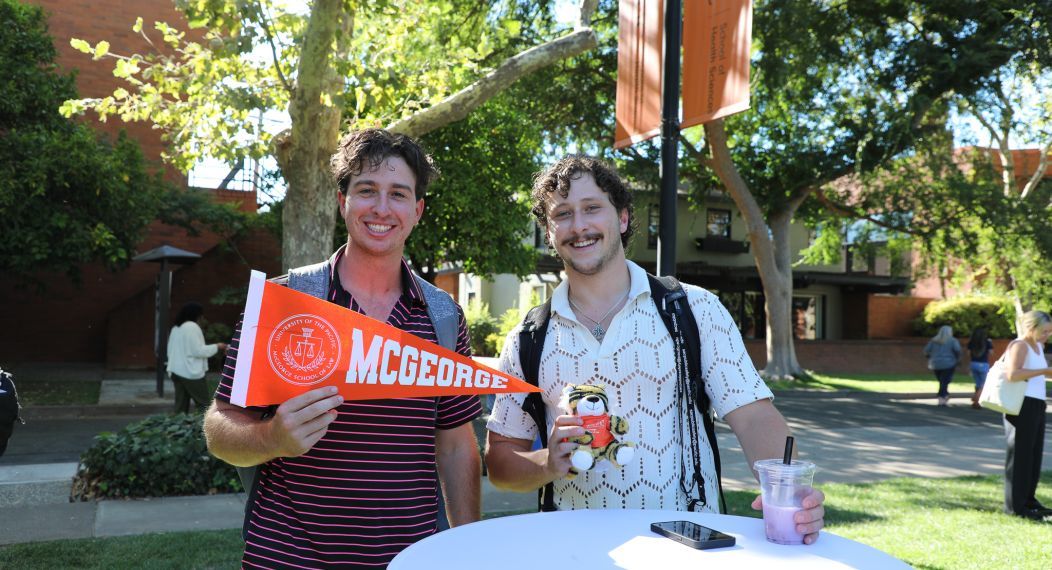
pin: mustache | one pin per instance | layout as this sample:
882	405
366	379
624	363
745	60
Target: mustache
569	241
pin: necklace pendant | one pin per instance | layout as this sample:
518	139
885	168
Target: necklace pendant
598	331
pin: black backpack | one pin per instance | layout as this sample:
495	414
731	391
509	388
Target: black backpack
10	409
671	301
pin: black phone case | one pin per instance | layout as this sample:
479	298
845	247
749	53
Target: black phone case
722	542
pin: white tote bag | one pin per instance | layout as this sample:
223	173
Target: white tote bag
998	393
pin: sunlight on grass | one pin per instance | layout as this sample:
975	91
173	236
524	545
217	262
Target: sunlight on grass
935	523
888	383
928	523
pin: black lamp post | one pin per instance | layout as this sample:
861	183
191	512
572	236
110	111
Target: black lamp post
166	255
666	263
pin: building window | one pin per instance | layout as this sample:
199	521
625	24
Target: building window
719	223
807	318
653	222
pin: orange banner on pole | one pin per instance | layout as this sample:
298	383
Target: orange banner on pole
640	47
292	342
717	39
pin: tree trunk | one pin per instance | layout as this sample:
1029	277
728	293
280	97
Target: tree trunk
771	252
303	151
778	296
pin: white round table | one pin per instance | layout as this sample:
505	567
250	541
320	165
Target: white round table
599	539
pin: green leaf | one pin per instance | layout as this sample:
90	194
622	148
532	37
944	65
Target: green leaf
101	49
80	45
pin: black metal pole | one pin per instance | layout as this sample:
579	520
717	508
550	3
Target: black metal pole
666	264
164	292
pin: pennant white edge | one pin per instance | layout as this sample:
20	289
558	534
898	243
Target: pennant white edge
246	346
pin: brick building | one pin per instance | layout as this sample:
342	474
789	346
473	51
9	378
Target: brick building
109	319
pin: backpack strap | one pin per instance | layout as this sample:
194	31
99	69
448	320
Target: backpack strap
442	311
531	344
670	298
443	314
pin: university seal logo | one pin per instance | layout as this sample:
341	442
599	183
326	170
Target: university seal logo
304	349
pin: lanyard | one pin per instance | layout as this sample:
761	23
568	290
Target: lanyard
686	395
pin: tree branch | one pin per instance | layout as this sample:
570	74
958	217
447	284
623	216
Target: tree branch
584	21
460	104
1039	174
846	211
265	22
694	153
755	222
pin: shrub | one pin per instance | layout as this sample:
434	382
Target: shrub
160	456
964	314
481	324
508	321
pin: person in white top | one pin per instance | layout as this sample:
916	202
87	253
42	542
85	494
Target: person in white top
605	329
1025	433
188	359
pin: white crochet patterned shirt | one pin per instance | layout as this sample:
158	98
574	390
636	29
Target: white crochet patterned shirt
636	364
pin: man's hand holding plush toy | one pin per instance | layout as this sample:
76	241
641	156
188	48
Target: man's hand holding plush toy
561	445
602	443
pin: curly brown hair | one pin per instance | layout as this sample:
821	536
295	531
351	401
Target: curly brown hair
557	178
370	147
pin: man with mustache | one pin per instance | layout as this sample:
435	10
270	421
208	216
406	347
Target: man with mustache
605	328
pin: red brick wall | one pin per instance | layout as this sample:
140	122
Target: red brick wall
110	20
898	356
890	316
130	327
109	317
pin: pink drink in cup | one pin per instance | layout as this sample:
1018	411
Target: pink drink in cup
783	487
780	526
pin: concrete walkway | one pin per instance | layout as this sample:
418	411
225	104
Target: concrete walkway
852	438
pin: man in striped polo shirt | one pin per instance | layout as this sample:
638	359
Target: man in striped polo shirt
354	483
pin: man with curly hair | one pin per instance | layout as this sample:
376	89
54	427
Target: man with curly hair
605	328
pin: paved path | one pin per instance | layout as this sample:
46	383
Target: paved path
852	438
865	438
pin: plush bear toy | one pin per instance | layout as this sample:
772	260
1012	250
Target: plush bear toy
590	403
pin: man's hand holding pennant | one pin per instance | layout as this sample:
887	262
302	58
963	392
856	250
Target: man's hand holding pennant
292	342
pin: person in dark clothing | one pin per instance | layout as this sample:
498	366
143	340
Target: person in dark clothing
979	347
1025	432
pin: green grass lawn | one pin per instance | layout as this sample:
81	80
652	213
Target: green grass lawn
59	392
928	523
934	523
889	383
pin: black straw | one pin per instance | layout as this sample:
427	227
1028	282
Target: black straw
788	457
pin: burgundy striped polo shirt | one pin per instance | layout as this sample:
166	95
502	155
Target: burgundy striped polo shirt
368	489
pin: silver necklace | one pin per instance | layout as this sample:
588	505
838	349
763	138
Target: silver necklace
597	331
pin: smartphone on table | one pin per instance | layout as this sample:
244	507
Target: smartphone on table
692	534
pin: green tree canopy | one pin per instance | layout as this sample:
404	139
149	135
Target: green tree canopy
67	195
414	66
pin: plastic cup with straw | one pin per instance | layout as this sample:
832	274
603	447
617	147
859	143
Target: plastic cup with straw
783	485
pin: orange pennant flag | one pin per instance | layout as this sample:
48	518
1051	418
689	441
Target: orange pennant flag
717	45
640	52
292	342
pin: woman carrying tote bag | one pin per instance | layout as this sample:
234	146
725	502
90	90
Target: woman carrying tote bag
1025	433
